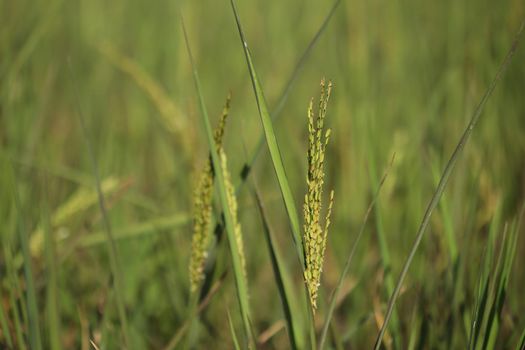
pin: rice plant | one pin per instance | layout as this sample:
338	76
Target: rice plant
387	212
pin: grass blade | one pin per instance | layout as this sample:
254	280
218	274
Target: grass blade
177	337
503	270
35	340
483	283
337	290
172	118
240	281
4	328
80	201
112	246
282	279
245	171
170	114
521	342
234	335
13	291
273	147
53	318
443	182
278	166
384	250
448	226
137	230
276	112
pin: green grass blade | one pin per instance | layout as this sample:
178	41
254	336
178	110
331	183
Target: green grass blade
448	226
273	147
17	322
53	315
177	337
4	314
415	327
241	283
112	246
35	340
245	171
337	290
234	335
521	342
192	321
14	290
3	324
384	250
443	182
276	112
508	253
282	279
484	283
481	305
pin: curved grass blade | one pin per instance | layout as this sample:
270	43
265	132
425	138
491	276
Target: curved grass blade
503	270
521	342
112	245
177	337
79	201
35	340
282	279
137	230
443	182
192	321
337	290
13	292
276	112
170	115
384	251
52	306
273	147
234	335
278	166
172	118
483	282
240	281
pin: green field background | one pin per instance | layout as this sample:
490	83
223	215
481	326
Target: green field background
407	77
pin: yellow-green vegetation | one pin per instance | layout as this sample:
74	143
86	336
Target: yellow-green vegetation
315	231
129	217
232	206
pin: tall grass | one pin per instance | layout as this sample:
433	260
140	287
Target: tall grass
123	219
225	198
116	269
443	182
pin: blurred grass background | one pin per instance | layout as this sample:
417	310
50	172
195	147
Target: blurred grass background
407	76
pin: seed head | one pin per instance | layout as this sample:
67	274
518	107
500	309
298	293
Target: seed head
232	206
202	199
315	233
